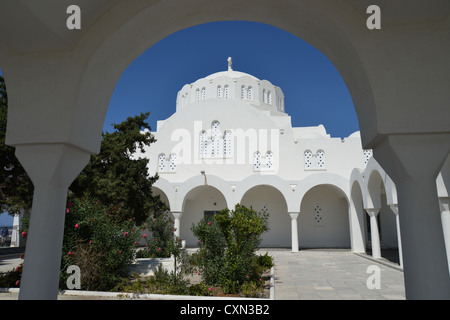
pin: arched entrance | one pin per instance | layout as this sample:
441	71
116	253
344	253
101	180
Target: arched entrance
323	221
269	199
198	203
64	125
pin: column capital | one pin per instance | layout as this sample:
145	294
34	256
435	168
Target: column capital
177	214
394	208
372	212
294	215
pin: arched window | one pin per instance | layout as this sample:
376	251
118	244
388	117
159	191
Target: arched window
243	92
269	159
173	162
367	155
162	162
250	93
203	144
227	146
219	92
320	159
257	161
226	91
269	97
203	93
216	141
197	95
308	159
264	96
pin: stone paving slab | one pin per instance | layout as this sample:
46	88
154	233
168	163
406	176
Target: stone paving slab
309	275
333	275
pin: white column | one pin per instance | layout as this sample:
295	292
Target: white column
445	217
294	231
375	235
177	217
413	162
51	168
394	208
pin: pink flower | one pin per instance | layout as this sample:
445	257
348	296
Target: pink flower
174	229
209	289
17	282
91	242
135	243
198	241
159	249
119	252
70	253
24	234
67	210
70	204
77	226
209	223
144	236
125	234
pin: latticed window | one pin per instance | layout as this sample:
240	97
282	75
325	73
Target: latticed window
367	155
320	159
269	159
219	92
256	160
318	215
269	97
197	95
308	159
203	93
203	144
173	162
226	91
250	93
243	92
161	162
227	144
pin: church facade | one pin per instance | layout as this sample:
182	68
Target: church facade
230	141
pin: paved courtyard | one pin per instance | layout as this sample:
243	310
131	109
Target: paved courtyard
333	275
311	275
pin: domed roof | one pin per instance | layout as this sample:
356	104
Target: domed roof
230	73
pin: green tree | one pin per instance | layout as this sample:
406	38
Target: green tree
227	245
116	177
16	188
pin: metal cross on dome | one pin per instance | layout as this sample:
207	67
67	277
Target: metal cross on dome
229	63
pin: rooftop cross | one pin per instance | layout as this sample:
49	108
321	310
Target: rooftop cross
229	64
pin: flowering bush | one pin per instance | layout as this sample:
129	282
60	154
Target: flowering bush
100	244
161	238
228	243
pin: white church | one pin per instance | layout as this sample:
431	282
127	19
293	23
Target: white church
231	141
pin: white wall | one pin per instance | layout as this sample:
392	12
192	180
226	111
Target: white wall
333	229
270	199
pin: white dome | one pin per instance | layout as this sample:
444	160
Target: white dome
232	85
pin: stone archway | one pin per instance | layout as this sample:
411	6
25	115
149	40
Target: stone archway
69	78
198	202
323	221
269	199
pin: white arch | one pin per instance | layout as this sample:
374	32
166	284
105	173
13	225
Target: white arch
323	178
201	180
372	171
271	180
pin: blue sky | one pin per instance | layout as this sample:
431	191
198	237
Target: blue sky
314	90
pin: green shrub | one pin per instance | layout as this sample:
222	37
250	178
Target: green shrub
200	289
160	239
95	240
227	246
209	260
